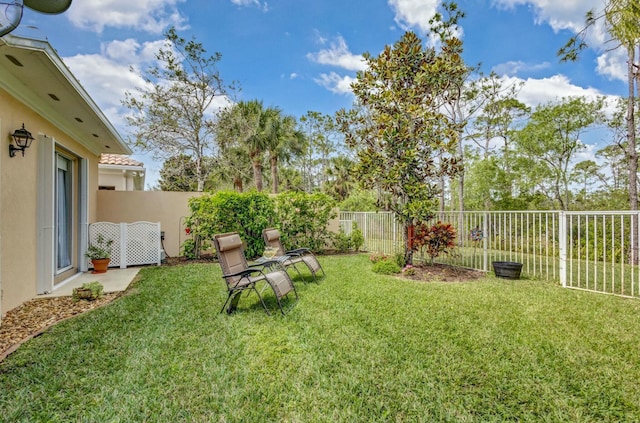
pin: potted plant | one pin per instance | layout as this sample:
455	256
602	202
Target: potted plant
100	254
89	291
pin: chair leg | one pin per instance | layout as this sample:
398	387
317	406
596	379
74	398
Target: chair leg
266	310
313	272
299	273
232	301
234	298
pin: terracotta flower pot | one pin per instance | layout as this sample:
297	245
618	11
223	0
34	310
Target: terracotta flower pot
100	265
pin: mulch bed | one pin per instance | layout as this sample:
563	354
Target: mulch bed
35	316
443	273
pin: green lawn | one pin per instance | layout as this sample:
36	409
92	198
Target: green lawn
358	347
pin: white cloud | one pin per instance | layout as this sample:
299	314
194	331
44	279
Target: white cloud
335	83
613	64
152	16
515	67
106	80
565	14
570	15
540	91
338	54
243	3
414	13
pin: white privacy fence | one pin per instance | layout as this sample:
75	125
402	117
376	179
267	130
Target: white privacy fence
134	244
583	250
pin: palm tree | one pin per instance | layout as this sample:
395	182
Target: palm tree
340	182
283	141
244	125
233	166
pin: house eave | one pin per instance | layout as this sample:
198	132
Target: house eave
122	167
47	86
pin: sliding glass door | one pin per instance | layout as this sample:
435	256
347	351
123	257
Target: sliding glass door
64	213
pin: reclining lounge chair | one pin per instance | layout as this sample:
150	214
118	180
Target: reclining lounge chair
271	238
239	277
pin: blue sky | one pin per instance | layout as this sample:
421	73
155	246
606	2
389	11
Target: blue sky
301	55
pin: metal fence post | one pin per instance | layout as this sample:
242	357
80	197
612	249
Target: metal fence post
562	229
485	242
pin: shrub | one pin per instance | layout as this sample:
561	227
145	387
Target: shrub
89	291
227	211
376	257
360	201
188	248
435	240
357	239
302	219
400	259
386	267
409	270
341	241
101	249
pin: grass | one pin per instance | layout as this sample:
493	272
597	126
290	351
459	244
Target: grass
357	347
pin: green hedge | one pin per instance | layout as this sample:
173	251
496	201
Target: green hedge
301	218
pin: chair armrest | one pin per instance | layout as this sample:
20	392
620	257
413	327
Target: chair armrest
298	252
243	273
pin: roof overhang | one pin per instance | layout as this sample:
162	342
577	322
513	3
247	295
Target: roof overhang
32	72
127	168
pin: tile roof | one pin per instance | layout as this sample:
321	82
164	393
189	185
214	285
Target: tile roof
119	159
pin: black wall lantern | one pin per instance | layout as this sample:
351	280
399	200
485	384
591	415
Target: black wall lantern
22	138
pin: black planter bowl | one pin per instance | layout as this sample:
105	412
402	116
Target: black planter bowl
507	269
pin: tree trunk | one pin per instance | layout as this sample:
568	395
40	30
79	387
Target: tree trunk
408	250
442	197
274	174
256	164
632	154
461	177
199	175
237	183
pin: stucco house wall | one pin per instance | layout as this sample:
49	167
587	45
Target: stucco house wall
19	179
70	132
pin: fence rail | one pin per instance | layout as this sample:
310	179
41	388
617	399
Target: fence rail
594	251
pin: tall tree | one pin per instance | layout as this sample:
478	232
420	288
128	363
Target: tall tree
461	100
551	139
321	132
311	125
248	125
233	166
174	112
178	174
398	128
585	173
615	159
340	181
283	141
621	19
491	132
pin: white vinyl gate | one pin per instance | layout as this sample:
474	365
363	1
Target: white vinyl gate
592	251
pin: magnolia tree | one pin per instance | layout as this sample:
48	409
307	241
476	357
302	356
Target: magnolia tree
403	141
